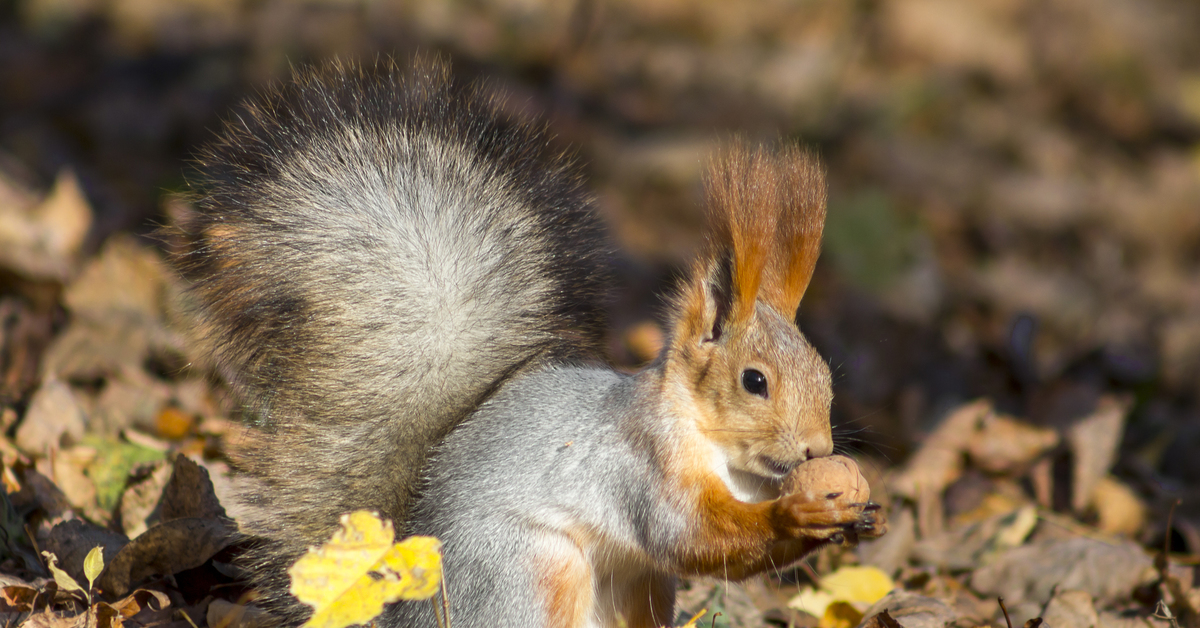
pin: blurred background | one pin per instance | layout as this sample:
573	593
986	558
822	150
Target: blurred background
1014	184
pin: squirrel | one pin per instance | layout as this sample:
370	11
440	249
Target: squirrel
406	284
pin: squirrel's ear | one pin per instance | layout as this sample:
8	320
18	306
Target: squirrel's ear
702	306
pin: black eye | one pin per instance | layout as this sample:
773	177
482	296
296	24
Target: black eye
754	382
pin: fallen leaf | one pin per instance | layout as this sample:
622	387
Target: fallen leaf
912	610
1071	609
1106	571
189	493
165	549
939	460
336	578
54	419
137	508
1119	510
222	613
43	241
858	587
1094	441
1003	444
65	582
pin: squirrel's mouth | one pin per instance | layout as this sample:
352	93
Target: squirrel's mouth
750	479
776	469
751	487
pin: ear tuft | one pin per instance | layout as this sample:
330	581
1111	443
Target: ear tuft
741	191
766	210
801	220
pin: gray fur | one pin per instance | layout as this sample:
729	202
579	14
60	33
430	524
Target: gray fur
498	488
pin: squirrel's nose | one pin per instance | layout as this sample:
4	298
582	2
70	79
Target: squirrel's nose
818	446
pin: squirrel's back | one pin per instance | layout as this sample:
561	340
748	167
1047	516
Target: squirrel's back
375	250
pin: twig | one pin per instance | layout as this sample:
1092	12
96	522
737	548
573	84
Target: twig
444	590
1163	562
189	619
1005	611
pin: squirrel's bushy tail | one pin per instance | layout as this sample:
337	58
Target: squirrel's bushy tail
375	250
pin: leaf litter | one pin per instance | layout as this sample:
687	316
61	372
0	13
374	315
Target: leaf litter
1013	221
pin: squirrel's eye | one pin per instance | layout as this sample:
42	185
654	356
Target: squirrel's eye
754	382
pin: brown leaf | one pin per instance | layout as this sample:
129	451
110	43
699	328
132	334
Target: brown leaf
1071	609
189	493
69	476
1106	571
140	600
37	491
912	610
106	616
1094	442
72	540
167	548
54	419
939	460
1003	444
882	620
1119	510
17	597
223	613
43	241
138	507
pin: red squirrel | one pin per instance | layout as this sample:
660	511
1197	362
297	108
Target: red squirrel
406	285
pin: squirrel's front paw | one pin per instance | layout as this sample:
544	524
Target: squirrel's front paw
828	499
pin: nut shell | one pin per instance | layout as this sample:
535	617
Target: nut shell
819	478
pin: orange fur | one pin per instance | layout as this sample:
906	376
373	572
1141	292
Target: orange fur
766	208
801	222
566	586
650	602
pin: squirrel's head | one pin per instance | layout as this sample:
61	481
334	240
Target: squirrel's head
759	392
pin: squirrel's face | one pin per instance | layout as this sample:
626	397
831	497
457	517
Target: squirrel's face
759	394
763	395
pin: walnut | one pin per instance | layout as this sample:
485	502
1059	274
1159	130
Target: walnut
819	478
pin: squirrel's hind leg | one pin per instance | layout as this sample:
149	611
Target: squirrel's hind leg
565	583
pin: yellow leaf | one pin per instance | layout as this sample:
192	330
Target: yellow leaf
812	601
93	564
861	586
695	618
858	584
349	579
840	615
64	580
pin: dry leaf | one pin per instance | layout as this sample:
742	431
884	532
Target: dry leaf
1003	444
939	460
54	419
65	581
1118	508
1071	609
1094	442
43	241
1031	572
856	587
912	610
167	548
